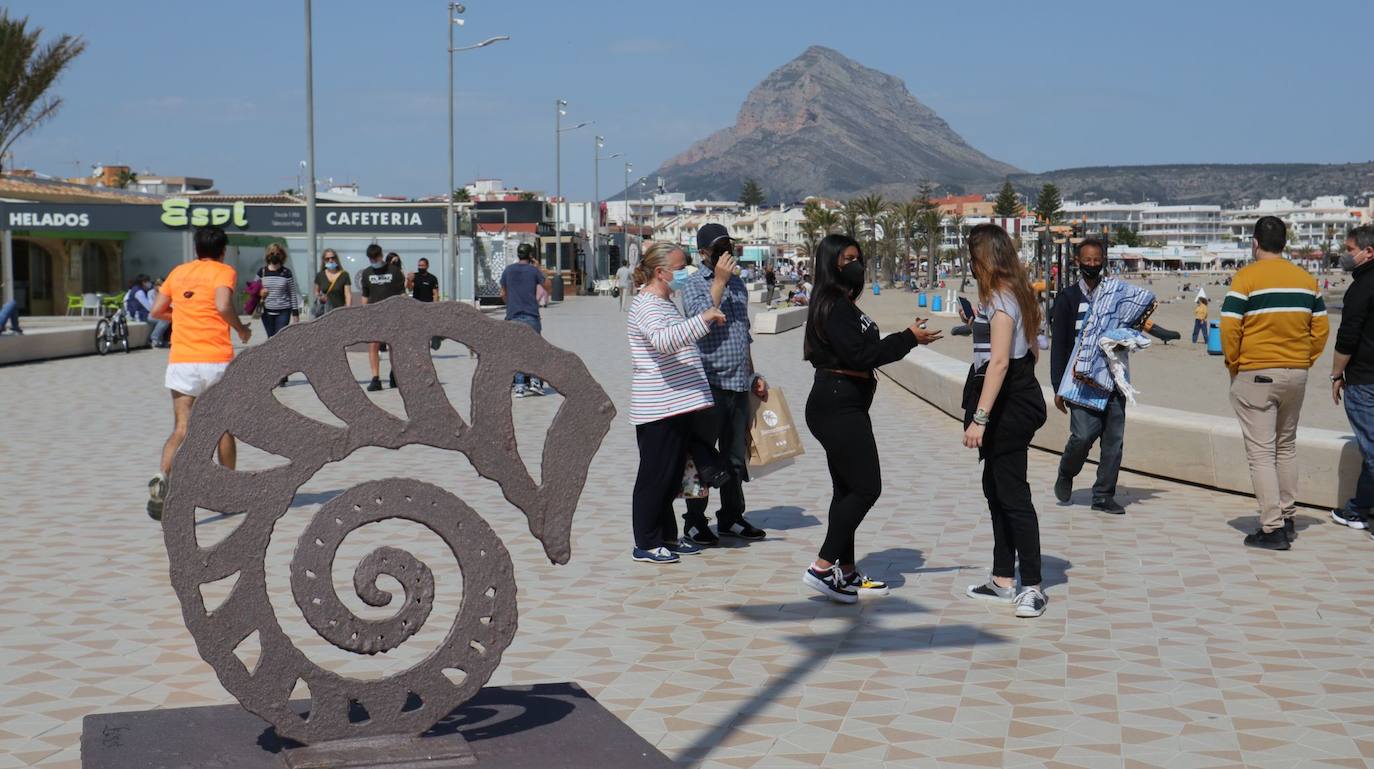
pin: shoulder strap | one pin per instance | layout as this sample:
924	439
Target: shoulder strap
332	282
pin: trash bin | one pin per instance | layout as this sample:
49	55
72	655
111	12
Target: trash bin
556	295
921	299
938	305
1213	338
877	289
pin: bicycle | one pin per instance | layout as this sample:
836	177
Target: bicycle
112	330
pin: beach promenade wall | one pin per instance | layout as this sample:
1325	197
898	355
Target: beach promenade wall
1169	443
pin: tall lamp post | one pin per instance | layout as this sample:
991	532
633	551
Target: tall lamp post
450	249
558	131
310	142
625	225
596	217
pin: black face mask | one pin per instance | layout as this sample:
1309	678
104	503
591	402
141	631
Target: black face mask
422	270
852	274
1090	271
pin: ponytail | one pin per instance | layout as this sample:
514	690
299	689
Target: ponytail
655	256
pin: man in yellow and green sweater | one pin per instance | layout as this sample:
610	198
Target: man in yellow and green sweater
1273	328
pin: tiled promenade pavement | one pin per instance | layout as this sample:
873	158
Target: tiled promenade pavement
1165	644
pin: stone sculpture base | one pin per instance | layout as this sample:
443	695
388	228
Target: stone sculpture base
503	727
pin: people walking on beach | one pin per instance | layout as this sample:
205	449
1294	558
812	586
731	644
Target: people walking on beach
201	294
625	282
669	388
520	284
381	280
1003	407
1273	328
1105	417
1352	369
333	287
729	363
843	345
1200	320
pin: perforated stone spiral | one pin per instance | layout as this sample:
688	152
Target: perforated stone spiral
242	404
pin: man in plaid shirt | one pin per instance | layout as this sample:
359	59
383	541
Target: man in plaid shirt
730	370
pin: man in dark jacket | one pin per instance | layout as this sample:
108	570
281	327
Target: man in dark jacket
1352	369
1086	426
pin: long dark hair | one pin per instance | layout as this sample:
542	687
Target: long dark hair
828	288
997	267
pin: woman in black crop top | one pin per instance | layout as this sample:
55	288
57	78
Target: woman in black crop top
844	346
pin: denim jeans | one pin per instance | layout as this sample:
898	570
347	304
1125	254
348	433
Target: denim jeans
1199	330
159	335
9	313
1359	409
533	322
1085	428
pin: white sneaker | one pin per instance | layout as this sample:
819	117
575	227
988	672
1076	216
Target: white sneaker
1031	603
831	585
991	591
520	391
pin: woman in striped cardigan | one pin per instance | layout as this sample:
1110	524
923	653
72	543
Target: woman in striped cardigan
669	384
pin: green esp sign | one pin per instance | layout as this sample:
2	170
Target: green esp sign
177	212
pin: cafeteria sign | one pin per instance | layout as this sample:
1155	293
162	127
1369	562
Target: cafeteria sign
177	212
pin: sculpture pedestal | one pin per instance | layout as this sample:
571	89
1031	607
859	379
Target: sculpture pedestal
503	727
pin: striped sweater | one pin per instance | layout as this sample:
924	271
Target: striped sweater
282	294
1273	317
668	375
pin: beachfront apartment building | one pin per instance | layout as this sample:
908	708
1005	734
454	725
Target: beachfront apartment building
1171	225
777	225
1319	224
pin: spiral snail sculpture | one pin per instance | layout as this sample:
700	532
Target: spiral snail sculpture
242	405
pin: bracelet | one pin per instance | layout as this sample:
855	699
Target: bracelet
980	417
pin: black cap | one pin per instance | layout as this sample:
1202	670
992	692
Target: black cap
709	234
524	251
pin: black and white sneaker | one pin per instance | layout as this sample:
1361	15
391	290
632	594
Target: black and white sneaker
1345	517
991	591
741	529
1031	603
157	493
865	586
682	547
701	534
830	584
656	555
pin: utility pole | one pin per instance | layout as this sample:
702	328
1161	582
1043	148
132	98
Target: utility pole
311	245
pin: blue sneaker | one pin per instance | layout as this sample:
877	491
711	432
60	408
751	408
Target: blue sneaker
656	555
682	547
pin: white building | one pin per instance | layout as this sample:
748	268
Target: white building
1181	225
1095	214
773	225
1320	223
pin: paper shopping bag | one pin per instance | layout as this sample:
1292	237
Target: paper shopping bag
773	436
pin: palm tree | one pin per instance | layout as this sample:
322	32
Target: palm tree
828	221
931	223
27	73
909	214
956	221
871	207
891	225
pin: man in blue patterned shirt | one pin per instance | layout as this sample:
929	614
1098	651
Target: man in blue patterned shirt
730	370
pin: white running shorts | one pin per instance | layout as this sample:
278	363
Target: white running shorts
193	379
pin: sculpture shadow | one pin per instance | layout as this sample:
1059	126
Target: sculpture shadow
895	563
496	711
861	635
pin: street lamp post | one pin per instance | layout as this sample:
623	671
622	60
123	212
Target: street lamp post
450	249
625	222
596	190
558	129
310	142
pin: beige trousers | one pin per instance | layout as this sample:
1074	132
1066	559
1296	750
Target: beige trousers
1267	403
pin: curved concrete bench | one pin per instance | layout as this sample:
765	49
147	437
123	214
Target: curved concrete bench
778	321
64	341
1170	443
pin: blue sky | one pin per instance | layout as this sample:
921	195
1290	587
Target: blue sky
216	89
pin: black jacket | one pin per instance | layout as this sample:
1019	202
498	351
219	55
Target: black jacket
1063	317
1355	337
849	340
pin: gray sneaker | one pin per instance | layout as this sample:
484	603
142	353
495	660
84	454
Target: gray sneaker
1031	603
991	591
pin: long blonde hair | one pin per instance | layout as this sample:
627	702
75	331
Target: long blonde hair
997	267
655	256
277	250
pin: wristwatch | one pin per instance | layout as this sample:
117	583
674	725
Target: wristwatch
1338	377
980	417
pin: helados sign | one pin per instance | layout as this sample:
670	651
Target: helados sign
177	212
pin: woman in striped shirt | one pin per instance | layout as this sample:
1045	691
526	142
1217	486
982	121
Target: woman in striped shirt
281	300
669	384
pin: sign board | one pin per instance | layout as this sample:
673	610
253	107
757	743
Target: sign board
177	214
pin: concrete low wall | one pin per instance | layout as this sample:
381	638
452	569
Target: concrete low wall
1170	443
778	321
47	343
